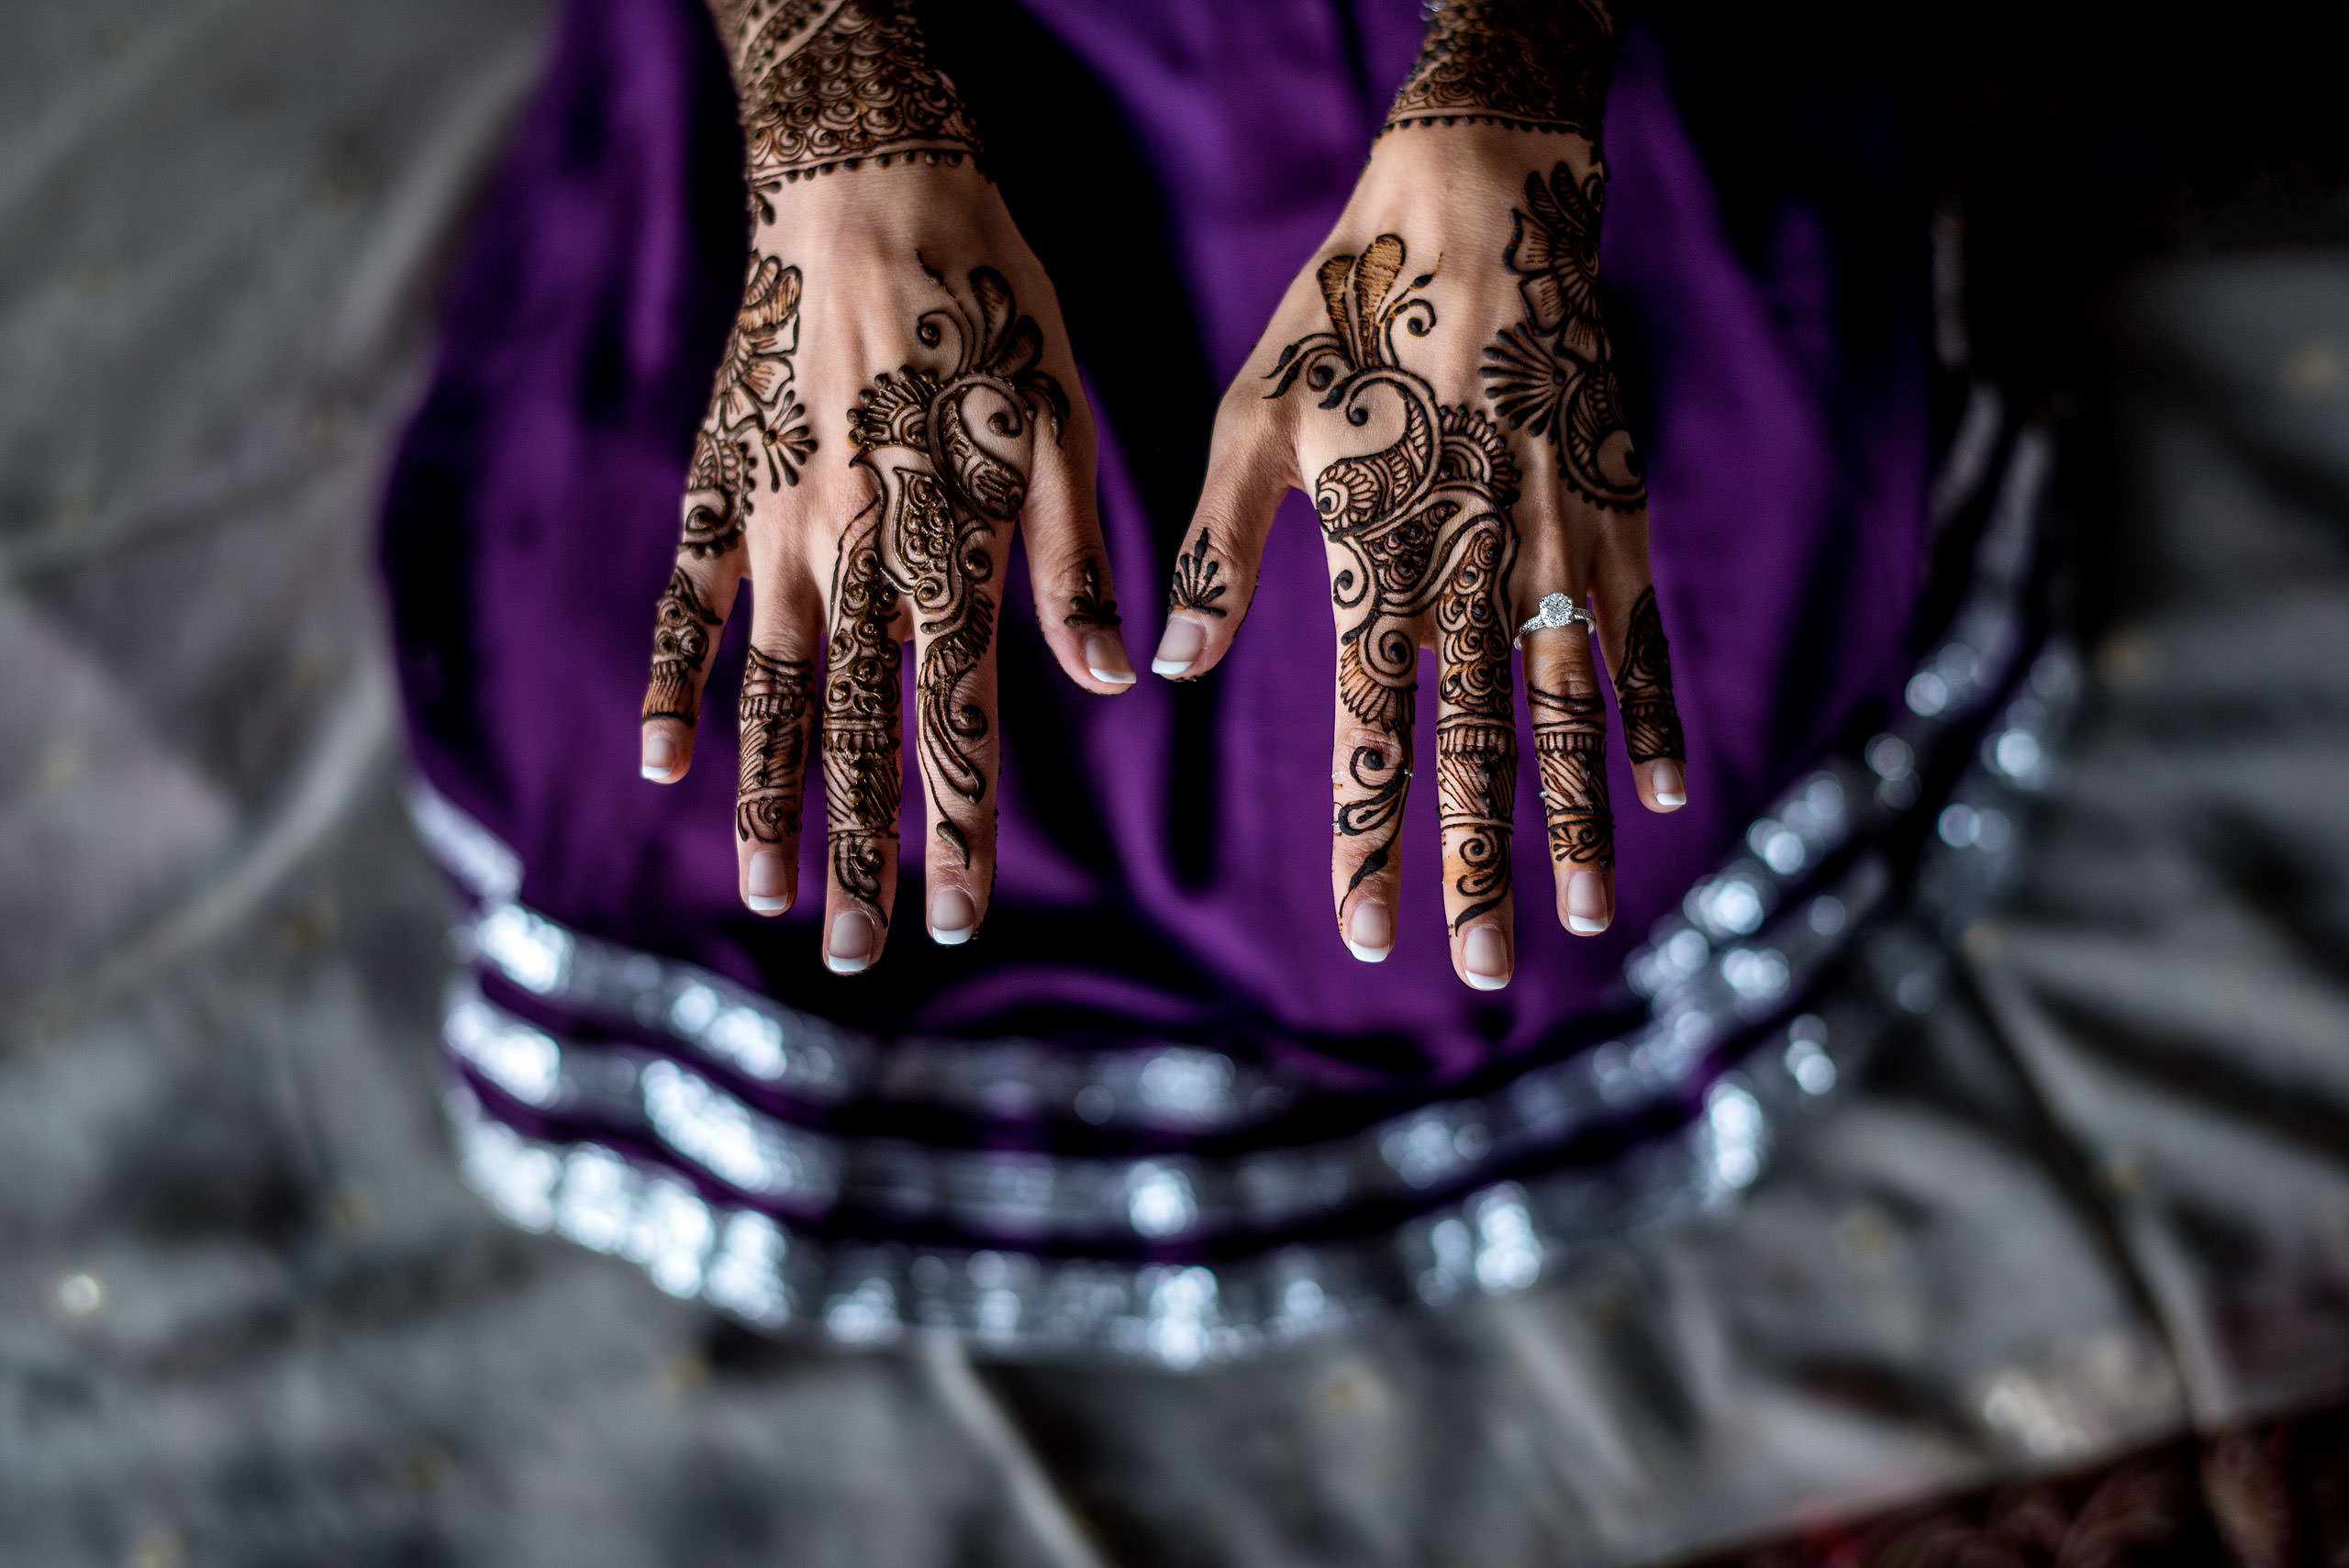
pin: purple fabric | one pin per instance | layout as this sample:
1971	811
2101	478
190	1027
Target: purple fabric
533	513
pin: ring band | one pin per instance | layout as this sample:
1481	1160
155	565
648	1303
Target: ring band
1556	610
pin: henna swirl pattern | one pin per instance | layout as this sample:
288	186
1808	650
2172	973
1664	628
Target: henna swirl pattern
1539	65
1553	376
947	453
681	626
755	423
778	698
1643	687
1421	525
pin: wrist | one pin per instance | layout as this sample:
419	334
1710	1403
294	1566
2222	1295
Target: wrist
838	86
1525	65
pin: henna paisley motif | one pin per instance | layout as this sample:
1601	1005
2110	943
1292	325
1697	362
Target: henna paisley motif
1421	525
947	453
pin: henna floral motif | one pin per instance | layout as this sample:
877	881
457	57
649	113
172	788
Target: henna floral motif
1569	743
756	424
681	628
1196	587
947	453
1553	376
1422	525
857	88
778	697
1643	687
1537	66
1088	605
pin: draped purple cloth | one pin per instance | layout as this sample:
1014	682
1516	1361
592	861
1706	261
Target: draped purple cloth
533	516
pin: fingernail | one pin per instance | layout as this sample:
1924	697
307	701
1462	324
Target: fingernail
952	916
1178	648
1105	656
764	884
850	946
1671	787
1370	931
660	754
1586	904
1484	955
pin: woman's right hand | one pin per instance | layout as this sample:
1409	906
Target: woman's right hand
896	396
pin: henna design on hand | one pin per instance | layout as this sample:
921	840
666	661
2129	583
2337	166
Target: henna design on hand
1643	687
681	628
1539	65
778	698
947	454
1088	605
1569	743
864	767
1196	587
1553	376
1422	524
755	416
857	88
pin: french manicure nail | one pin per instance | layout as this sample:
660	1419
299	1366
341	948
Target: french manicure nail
660	754
1105	656
1484	956
1586	904
952	917
763	885
1370	931
850	948
1179	648
1671	786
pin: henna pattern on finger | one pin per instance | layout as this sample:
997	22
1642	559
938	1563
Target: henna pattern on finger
1422	525
756	424
1569	743
1196	587
1554	375
1643	687
1539	65
857	88
681	626
863	766
947	453
1088	605
778	698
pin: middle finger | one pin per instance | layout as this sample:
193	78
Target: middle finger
1476	745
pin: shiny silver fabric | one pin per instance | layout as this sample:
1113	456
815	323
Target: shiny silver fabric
1758	932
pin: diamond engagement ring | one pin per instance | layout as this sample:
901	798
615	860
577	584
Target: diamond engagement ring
1556	610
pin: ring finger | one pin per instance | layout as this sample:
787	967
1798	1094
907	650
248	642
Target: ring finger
1570	748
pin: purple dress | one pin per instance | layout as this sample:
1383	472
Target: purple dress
1156	1107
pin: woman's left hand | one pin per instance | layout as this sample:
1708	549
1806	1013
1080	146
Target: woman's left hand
1439	381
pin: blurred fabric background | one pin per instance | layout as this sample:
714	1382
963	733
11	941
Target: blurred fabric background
2093	1210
